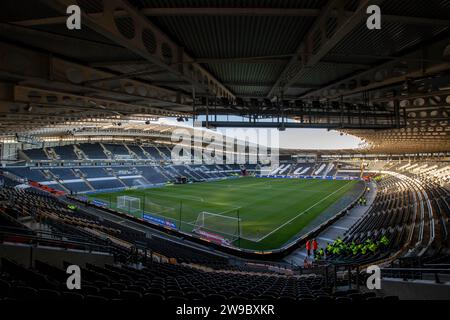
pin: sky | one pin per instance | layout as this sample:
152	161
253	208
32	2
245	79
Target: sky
317	139
292	138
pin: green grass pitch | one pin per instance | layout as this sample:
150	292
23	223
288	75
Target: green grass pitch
272	211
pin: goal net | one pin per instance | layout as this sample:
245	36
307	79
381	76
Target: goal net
129	204
217	227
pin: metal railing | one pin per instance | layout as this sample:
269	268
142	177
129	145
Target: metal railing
416	273
50	239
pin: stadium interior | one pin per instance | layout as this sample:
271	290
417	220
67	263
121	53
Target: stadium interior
93	176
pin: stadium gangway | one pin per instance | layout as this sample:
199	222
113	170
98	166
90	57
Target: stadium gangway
279	266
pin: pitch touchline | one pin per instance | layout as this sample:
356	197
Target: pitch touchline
301	213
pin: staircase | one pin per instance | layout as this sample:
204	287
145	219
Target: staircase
171	172
143	180
81	175
80	154
132	154
114	174
50	153
108	153
30	223
162	154
51	175
161	172
192	173
146	153
13	177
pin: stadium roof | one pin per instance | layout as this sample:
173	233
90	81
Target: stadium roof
308	63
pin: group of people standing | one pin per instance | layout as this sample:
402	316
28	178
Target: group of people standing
339	246
310	245
362	201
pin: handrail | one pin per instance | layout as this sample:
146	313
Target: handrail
422	270
436	264
32	239
53	234
24	229
413	273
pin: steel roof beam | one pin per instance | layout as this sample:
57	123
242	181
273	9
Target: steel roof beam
37	96
320	41
135	32
418	63
162	12
235	12
277	124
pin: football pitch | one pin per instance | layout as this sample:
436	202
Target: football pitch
270	211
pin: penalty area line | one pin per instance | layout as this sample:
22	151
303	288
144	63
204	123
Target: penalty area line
300	214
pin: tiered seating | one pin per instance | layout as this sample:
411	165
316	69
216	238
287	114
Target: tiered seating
282	169
302	169
27	173
184	253
195	275
211	171
36	154
64	174
434	172
152	175
93	176
65	152
94	172
7	219
413	215
77	186
52	212
215	171
153	153
392	214
138	151
188	172
160	281
93	150
118	150
166	151
198	171
106	184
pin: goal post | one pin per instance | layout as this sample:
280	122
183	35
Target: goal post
218	227
129	204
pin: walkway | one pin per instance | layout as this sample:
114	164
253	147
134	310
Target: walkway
335	230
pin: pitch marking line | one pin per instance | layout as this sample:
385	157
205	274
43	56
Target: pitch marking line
340	228
325	239
226	211
300	214
222	214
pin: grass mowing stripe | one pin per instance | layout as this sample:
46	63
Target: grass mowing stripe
301	213
263	204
